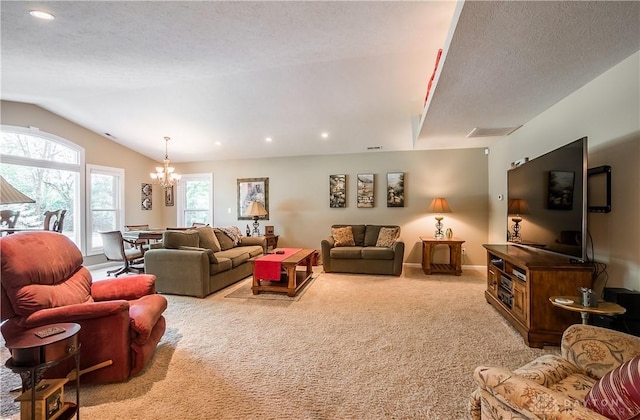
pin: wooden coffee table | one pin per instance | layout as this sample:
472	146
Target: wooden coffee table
296	279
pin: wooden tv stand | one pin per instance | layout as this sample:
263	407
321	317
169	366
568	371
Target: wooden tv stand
519	284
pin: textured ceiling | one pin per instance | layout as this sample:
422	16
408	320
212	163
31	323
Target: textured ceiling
219	77
509	61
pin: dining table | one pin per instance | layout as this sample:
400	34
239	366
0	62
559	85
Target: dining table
148	234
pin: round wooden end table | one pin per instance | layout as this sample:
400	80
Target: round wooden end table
572	303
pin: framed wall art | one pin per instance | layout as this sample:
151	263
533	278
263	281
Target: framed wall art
366	190
146	194
252	189
337	191
395	189
168	196
560	196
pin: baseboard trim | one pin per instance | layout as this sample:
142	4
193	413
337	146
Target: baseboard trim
464	267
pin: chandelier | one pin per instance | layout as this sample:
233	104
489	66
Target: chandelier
165	175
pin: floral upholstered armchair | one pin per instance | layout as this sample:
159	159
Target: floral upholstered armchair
566	386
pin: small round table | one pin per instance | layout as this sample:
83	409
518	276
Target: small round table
603	308
32	355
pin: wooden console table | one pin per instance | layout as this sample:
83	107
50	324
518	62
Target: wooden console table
455	256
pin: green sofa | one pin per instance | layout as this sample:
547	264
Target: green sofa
362	255
201	261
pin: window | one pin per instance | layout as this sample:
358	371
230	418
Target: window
105	192
46	168
195	199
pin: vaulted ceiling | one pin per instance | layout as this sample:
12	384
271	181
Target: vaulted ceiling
221	77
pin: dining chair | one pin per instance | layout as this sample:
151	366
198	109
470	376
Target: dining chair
113	246
8	218
57	216
142	244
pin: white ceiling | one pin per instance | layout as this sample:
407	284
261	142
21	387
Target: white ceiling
236	72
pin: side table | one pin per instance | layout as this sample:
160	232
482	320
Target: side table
572	303
31	356
455	256
272	241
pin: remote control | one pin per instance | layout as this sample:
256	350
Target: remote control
279	252
49	332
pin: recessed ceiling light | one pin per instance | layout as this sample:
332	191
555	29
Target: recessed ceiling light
218	143
325	135
269	139
41	14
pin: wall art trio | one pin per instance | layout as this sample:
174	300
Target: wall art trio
365	190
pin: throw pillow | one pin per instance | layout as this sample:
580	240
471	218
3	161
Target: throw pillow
343	236
387	236
225	241
208	239
174	239
232	232
617	394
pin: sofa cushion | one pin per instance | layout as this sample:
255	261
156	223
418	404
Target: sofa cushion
343	236
377	253
346	252
387	236
617	394
371	235
174	239
236	255
225	241
208	239
212	257
224	264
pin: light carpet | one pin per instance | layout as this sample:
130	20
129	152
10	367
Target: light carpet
355	347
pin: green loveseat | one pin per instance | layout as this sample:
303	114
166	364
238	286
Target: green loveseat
201	261
361	255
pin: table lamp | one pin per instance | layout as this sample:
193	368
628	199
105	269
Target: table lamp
256	209
439	206
517	206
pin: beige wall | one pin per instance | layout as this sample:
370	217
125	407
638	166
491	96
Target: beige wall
98	151
607	111
299	203
299	195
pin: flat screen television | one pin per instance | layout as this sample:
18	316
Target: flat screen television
549	195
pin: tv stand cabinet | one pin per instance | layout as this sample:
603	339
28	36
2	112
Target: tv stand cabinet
519	284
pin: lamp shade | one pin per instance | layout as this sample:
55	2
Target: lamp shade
439	205
256	209
10	195
518	206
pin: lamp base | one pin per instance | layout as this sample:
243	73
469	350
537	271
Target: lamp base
256	226
439	233
515	236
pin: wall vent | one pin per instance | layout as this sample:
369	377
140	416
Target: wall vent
492	132
374	147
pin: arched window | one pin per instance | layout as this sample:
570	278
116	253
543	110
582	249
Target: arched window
47	169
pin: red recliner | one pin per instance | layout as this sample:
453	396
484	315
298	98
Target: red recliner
44	282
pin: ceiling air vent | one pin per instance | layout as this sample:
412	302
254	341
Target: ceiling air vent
492	132
374	147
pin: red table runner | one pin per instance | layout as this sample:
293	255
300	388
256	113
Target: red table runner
267	267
